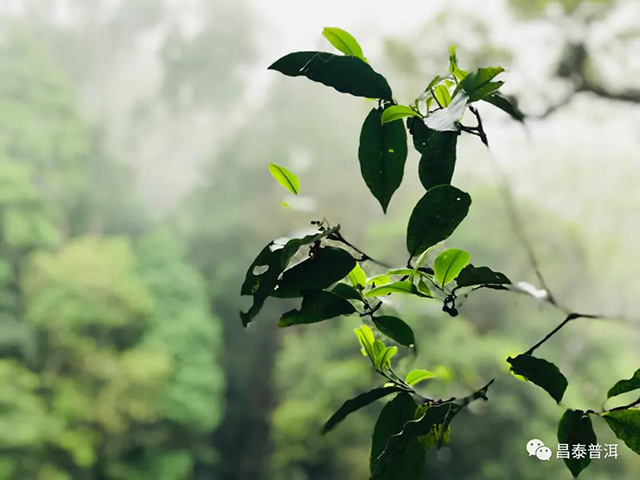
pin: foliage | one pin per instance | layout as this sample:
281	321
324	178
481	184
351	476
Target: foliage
437	118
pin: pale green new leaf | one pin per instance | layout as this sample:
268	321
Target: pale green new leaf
285	178
396	112
343	41
449	264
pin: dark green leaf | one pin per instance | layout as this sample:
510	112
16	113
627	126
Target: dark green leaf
471	275
396	112
262	276
382	154
449	264
343	41
395	329
285	178
408	462
357	403
506	104
438	151
326	267
316	307
478	84
626	425
544	374
346	74
575	428
346	291
411	431
435	217
624	386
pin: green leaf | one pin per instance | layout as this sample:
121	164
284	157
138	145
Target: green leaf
544	374
326	267
449	264
382	154
408	464
379	280
395	329
357	403
316	307
396	112
435	217
626	425
438	151
575	428
347	292
285	178
478	85
262	276
384	356
442	95
471	275
453	65
624	386
343	41
411	431
405	287
424	288
346	74
367	341
506	104
416	376
358	277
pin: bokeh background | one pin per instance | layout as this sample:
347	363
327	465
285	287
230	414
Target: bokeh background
134	142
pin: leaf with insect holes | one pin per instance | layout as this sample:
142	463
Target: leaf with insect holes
343	41
285	178
435	217
382	154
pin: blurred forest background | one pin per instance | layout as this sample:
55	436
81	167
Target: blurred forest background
134	142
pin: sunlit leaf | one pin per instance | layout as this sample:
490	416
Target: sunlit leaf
358	277
396	112
285	178
416	376
346	74
449	264
343	41
448	118
404	287
442	95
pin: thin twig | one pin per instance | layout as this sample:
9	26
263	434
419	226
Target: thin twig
339	238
